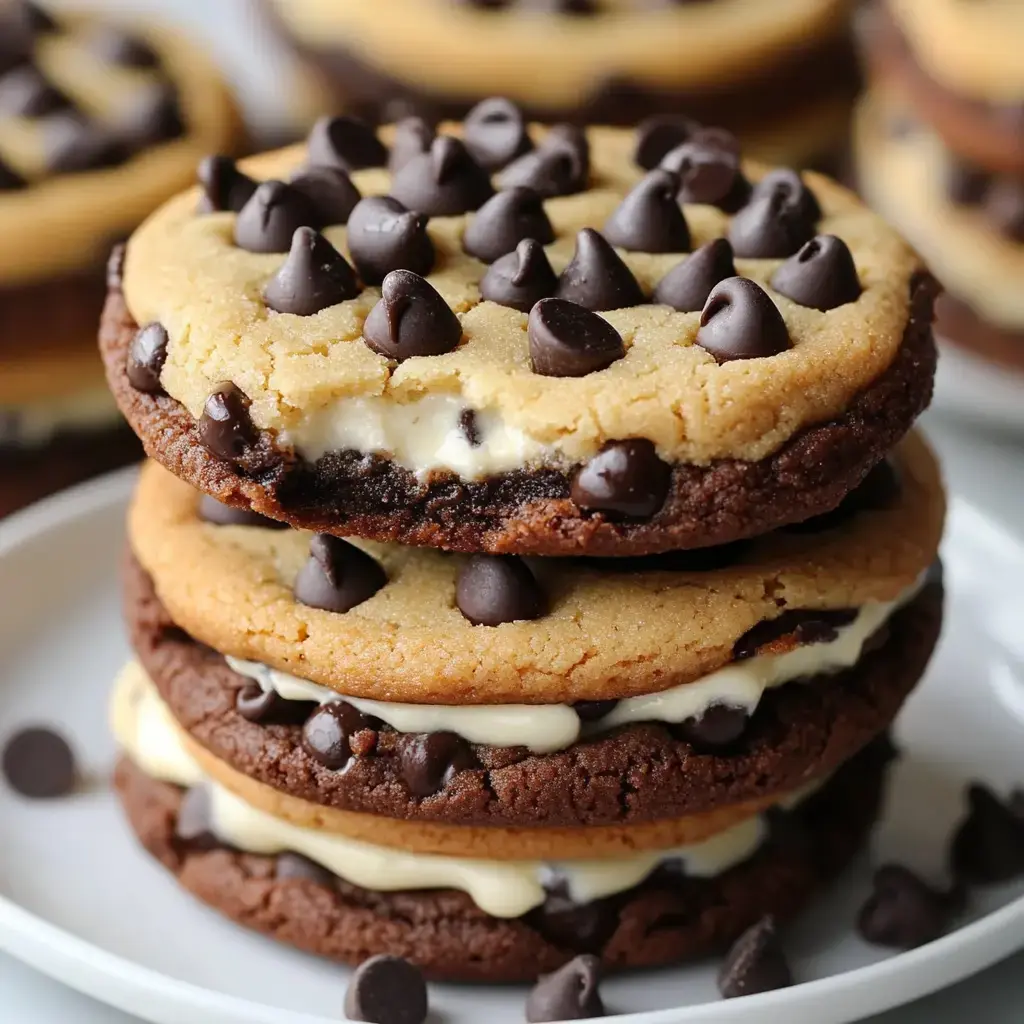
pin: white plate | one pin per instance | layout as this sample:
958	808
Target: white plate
80	901
978	391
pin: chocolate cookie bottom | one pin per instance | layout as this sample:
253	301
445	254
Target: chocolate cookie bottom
957	322
666	919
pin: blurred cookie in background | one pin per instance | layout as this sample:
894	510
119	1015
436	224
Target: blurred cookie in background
780	74
99	124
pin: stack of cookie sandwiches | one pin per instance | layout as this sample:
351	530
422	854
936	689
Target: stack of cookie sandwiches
781	74
98	126
529	565
941	154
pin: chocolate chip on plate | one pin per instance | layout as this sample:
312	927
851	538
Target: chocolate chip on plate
442	182
194	825
559	166
756	963
213	511
659	135
649	219
740	321
269	220
780	217
520	279
708	174
492	589
596	278
25	92
567	340
411	319
495	133
688	284
387	990
430	761
293	867
39	763
225	426
413	136
116	46
338	575
988	846
327	733
331	192
344	142
146	358
718	726
903	911
505	220
822	275
570	993
314	276
625	478
384	236
225	187
73	144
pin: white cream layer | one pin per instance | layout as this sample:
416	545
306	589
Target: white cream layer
545	728
148	733
38	422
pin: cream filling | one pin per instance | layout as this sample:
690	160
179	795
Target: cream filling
38	422
148	733
545	728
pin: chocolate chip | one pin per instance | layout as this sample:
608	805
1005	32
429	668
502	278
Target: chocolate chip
567	340
293	867
327	733
387	990
225	187
39	763
966	185
495	133
596	278
708	174
740	321
492	589
152	116
649	219
411	319
9	178
338	575
442	182
74	144
778	220
560	166
146	358
470	428
688	284
384	236
790	185
625	478
1004	208
570	993
505	220
270	218
24	92
582	927
116	46
213	511
225	426
194	826
903	912
520	279
822	275
344	142
266	707
413	136
331	192
431	760
988	847
798	626
658	136
594	710
718	726
314	277
756	963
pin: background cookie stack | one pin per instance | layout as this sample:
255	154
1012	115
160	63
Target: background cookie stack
636	575
941	155
98	125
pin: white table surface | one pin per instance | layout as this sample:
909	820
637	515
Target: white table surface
987	469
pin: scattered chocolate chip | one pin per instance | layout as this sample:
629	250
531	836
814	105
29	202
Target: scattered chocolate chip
194	826
74	144
314	276
495	133
798	626
1004	208
384	236
38	763
966	185
594	710
492	589
344	142
213	511
708	174
570	993
719	726
688	284
225	427
822	275
470	428
625	478
270	218
658	136
387	990
520	279
327	733
505	220
413	137
567	340
146	358
649	219
116	46
740	321
225	187
903	912
756	963
25	92
152	116
596	278
9	179
431	760
442	182
331	192
411	319
293	867
560	166
778	220
338	575
988	847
